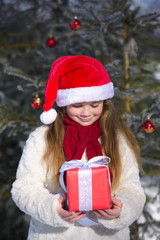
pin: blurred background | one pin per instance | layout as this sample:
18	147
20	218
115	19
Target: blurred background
122	34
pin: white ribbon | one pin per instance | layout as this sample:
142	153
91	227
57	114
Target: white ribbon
94	162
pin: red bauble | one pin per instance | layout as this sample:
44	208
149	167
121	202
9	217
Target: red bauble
148	126
75	24
36	102
50	42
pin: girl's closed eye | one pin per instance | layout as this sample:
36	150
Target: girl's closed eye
95	104
77	105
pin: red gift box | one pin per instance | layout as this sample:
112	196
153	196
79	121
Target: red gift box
88	188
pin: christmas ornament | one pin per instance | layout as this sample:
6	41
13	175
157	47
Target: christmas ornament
50	42
148	126
36	102
75	24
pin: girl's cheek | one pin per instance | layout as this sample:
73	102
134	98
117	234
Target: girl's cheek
99	111
72	112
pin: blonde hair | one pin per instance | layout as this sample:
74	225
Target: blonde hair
110	124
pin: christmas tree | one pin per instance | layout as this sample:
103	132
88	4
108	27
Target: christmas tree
124	37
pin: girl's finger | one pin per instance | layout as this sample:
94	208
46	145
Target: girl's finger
63	213
104	216
74	217
67	214
113	212
78	217
104	212
116	202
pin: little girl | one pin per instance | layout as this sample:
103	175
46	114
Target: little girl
85	125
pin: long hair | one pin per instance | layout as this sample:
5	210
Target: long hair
54	155
110	124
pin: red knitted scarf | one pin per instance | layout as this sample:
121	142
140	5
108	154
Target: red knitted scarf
78	138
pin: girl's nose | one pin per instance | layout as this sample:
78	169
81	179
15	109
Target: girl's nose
85	111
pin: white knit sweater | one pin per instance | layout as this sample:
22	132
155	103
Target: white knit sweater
34	193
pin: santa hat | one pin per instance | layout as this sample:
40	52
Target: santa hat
75	79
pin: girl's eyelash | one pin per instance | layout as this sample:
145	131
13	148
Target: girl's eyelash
94	105
77	106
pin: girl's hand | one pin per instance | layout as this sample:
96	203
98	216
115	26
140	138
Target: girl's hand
66	215
111	213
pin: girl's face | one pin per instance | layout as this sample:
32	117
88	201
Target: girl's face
85	113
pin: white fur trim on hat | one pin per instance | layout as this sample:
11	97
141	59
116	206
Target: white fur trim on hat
84	94
48	117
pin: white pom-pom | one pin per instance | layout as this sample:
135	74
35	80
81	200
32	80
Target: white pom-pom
48	117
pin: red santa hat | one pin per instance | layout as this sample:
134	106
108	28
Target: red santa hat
75	79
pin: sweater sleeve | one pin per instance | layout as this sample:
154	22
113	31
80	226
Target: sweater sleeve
129	191
29	191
